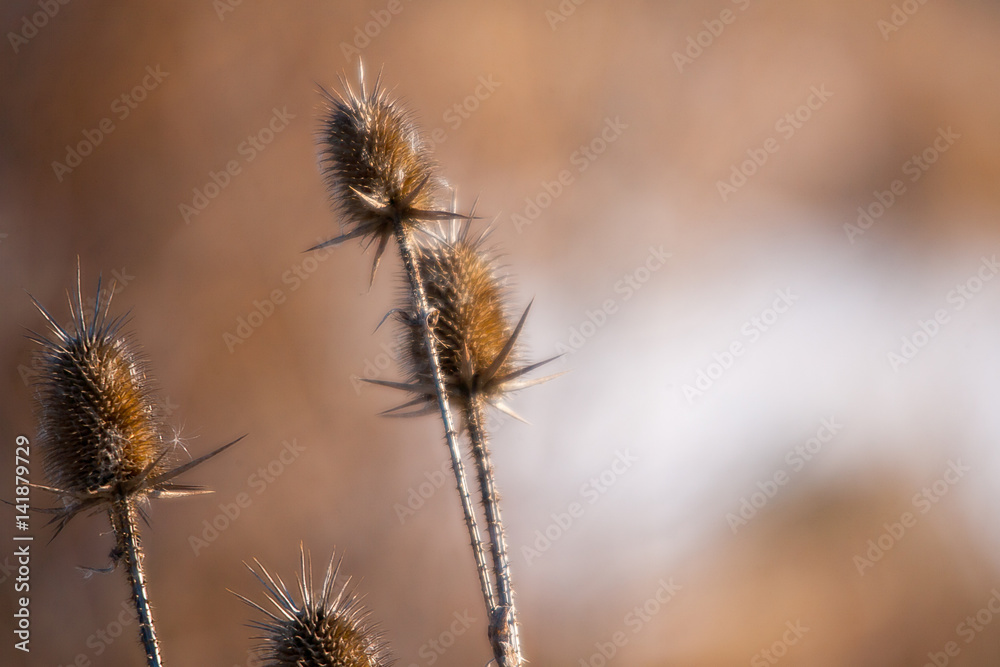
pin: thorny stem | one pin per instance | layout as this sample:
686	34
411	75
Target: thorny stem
504	634
406	252
123	518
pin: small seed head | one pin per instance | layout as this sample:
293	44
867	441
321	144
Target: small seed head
325	628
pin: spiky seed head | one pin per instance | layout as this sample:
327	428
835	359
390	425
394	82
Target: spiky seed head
98	423
468	295
99	426
327	627
377	167
475	343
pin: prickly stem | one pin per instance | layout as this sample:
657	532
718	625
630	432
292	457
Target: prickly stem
123	518
504	633
406	251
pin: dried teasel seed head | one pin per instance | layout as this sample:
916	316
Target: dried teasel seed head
99	427
471	328
377	167
327	627
476	344
98	423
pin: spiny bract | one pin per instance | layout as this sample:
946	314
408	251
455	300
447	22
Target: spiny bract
329	628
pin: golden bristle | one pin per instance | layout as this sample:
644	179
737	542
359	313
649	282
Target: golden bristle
98	423
327	628
474	341
471	325
376	165
99	426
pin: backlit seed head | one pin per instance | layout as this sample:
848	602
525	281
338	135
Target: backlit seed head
468	295
326	628
99	427
377	168
475	342
98	424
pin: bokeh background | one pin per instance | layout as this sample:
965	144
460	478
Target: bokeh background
643	108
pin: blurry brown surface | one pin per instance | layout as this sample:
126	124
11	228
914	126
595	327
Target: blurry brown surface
546	90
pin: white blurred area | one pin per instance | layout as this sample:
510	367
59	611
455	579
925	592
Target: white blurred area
626	484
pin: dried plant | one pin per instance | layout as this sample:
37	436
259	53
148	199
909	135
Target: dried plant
103	438
480	361
460	347
377	186
329	627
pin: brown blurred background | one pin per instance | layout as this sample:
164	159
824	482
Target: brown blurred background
532	90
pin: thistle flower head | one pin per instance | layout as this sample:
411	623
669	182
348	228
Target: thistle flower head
469	296
99	427
476	343
326	628
377	168
98	423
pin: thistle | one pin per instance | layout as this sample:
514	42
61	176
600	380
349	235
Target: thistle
378	170
382	180
460	347
475	342
102	436
480	364
326	628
